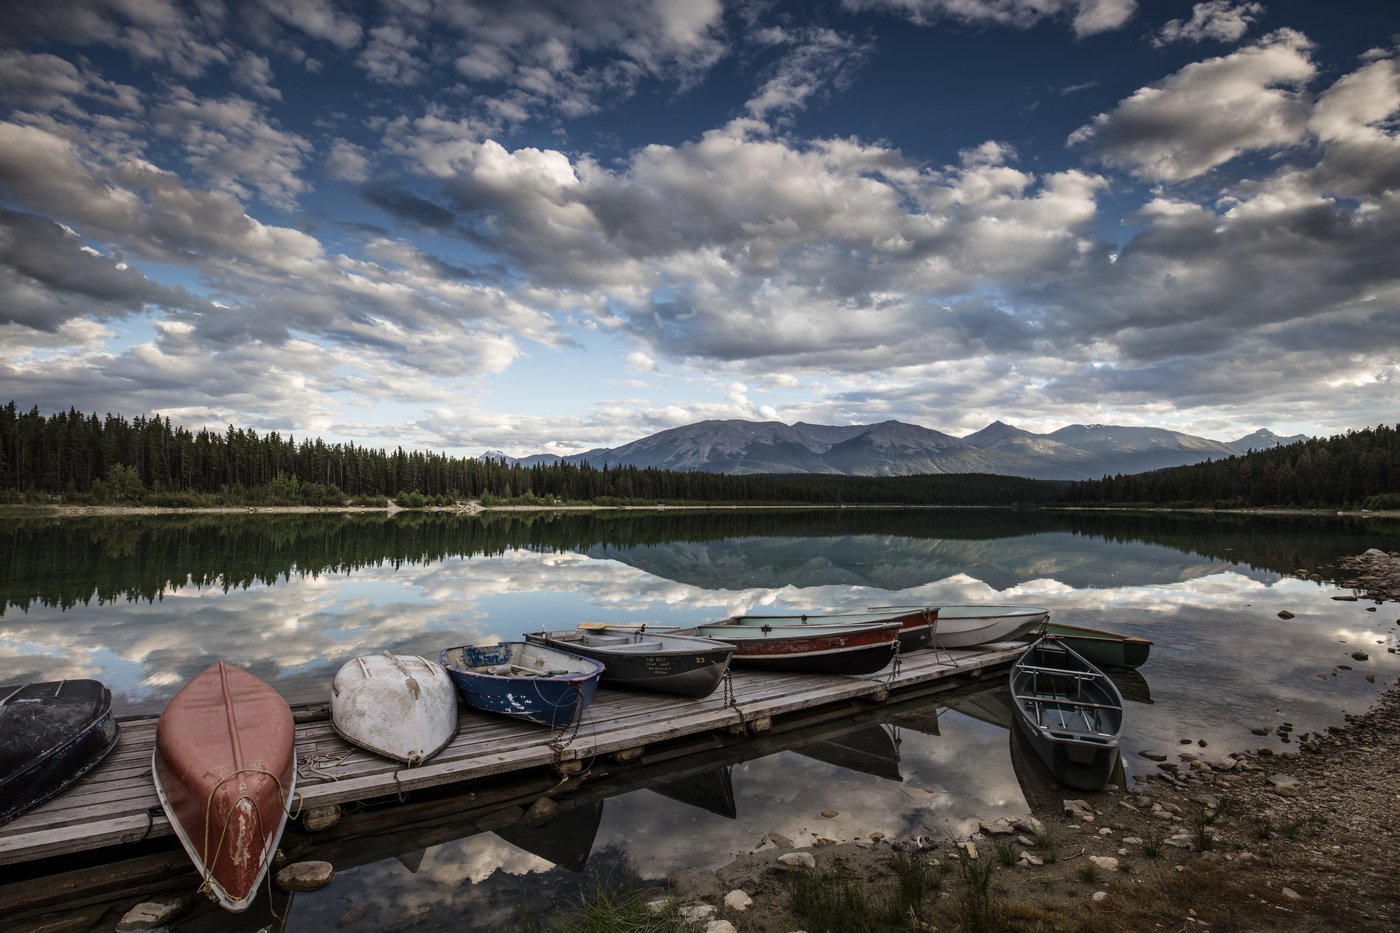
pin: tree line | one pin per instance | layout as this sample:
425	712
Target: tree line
83	458
1358	469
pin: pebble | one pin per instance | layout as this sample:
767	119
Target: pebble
738	901
720	926
830	814
697	913
1106	862
1079	809
798	860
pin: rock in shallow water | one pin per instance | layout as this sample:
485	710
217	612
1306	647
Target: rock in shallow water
305	876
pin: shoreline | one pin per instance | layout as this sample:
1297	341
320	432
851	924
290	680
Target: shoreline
474	507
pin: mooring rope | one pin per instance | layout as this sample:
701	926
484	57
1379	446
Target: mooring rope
895	662
311	763
208	881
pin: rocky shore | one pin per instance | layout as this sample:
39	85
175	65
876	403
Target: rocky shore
1246	842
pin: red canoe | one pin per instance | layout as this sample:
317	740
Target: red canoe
225	769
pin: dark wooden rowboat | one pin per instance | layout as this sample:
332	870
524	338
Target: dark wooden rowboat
225	770
1071	712
533	682
646	660
819	649
51	734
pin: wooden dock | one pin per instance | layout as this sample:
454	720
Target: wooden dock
115	807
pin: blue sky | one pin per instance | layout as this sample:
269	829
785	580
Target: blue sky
549	226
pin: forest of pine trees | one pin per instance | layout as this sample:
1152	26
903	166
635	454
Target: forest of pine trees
1359	469
83	458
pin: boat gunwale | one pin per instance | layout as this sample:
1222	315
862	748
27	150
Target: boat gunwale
567	677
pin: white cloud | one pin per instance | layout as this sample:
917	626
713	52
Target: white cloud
393	56
1220	20
819	59
1087	16
318	19
232	142
347	161
1209	112
255	73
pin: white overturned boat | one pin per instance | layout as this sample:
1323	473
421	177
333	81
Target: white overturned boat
400	706
969	626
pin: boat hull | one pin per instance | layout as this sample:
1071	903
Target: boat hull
531	682
51	734
970	626
916	625
1071	713
1101	648
854	650
691	667
400	706
224	767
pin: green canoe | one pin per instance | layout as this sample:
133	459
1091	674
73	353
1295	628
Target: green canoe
1103	649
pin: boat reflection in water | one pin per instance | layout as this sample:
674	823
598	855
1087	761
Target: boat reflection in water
566	840
871	749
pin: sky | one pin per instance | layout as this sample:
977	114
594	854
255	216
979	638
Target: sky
547	226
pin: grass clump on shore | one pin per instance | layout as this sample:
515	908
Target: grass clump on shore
834	899
609	902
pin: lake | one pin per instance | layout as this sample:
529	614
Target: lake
144	603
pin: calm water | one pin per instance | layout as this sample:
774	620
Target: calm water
144	604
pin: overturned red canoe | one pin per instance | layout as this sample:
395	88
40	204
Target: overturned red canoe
225	769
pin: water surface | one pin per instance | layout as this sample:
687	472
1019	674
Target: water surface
143	604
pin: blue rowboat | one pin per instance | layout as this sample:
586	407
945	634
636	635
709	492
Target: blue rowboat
524	680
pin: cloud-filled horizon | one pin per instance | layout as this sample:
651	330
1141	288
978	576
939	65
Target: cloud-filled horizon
548	226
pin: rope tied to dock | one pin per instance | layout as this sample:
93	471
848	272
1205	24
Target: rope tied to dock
565	736
313	763
207	883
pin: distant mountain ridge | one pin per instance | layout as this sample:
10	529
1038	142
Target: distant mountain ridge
894	448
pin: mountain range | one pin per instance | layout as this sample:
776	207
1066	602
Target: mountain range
894	448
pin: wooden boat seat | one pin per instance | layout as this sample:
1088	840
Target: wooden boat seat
642	646
1059	672
605	641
